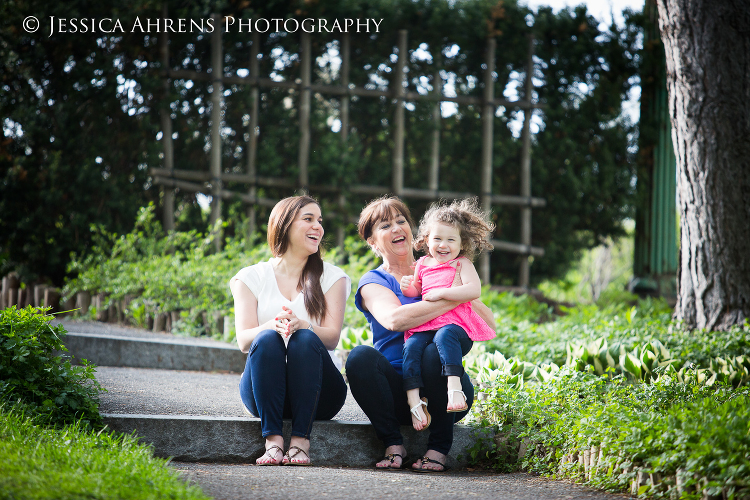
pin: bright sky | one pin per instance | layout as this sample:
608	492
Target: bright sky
600	9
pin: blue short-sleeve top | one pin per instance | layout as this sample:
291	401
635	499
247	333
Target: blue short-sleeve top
389	343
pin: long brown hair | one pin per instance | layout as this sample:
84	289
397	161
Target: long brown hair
281	219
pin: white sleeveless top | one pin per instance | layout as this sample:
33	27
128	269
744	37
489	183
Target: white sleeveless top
261	281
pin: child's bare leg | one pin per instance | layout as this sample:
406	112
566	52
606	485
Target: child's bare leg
456	398
419	421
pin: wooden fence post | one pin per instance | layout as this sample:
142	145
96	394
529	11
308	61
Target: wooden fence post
217	74
344	117
252	146
437	88
488	117
166	127
304	112
523	274
398	96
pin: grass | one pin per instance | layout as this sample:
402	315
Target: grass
41	462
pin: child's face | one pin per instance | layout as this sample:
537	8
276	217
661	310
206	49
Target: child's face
444	243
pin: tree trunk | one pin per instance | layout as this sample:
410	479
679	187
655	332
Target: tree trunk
707	44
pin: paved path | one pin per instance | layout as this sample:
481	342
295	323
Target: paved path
231	482
175	392
180	393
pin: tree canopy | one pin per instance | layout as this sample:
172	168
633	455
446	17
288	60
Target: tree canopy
81	117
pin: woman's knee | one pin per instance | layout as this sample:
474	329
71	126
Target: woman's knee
361	361
304	339
267	343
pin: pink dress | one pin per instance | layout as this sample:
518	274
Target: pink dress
441	276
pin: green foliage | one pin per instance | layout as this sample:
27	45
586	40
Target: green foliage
162	272
179	271
622	383
34	371
75	462
668	428
600	274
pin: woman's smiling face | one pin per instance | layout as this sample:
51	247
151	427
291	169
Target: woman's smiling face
307	229
392	236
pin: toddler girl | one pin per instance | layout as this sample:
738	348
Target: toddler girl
452	235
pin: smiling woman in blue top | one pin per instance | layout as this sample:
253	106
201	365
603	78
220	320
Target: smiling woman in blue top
289	312
374	373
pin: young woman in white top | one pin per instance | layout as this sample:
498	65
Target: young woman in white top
289	312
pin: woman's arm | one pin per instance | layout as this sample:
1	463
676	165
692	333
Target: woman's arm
329	329
384	305
246	315
484	312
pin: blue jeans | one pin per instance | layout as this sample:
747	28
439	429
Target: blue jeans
378	389
298	381
452	344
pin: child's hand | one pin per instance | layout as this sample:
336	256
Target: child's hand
433	295
406	282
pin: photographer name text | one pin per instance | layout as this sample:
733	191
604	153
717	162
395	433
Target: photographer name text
228	24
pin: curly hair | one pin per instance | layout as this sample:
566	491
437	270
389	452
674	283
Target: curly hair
466	216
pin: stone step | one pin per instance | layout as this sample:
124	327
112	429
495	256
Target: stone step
198	416
195	438
182	396
161	353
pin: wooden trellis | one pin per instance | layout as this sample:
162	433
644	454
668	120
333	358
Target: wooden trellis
210	182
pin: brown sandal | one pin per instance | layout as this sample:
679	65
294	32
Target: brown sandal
391	457
287	460
424	460
273	462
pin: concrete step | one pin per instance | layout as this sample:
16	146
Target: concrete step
108	344
160	353
181	394
194	438
198	416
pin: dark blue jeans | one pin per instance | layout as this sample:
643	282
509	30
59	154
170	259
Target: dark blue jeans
378	389
298	381
452	343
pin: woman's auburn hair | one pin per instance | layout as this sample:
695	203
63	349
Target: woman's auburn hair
379	210
282	216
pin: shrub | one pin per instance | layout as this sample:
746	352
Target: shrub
34	370
661	430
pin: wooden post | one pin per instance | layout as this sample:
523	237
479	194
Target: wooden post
217	72
166	126
252	146
344	117
437	87
304	112
83	301
488	116
398	95
523	274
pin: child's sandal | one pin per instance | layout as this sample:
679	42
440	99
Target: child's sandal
450	401
415	412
